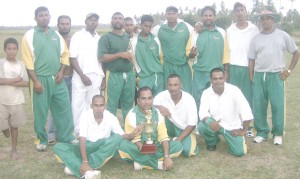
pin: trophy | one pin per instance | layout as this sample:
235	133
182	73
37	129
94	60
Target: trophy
149	146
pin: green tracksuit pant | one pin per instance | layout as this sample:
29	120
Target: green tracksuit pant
201	81
56	98
184	71
236	144
239	76
268	86
120	87
154	81
189	143
98	153
130	152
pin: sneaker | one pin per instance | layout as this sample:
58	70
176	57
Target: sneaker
95	174
160	165
211	147
68	171
250	134
51	142
277	140
41	147
75	141
137	166
258	139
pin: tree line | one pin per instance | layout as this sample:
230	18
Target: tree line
224	16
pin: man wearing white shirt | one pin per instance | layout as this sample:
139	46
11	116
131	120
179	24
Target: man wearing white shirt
239	36
88	71
180	110
97	143
224	110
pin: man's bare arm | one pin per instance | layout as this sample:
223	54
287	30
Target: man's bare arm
185	132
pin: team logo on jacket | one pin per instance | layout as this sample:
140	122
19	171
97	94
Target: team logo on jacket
152	47
53	38
180	30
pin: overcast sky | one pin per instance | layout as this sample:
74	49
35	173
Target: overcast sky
21	12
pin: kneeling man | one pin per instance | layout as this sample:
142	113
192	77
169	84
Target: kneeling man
100	135
223	109
130	150
180	110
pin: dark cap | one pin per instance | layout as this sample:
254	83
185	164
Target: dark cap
238	4
172	8
276	17
92	15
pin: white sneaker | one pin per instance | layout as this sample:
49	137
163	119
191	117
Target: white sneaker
95	174
160	165
137	166
249	134
75	141
258	139
277	140
68	171
41	147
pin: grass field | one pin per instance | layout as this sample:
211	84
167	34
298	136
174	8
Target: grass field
263	160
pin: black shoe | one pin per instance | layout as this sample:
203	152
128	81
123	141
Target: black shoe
211	147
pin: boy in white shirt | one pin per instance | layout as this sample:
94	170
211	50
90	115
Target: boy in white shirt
13	76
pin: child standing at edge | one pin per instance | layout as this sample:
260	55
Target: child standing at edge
13	76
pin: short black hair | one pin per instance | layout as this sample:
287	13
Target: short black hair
63	17
128	19
208	8
146	18
144	88
97	96
11	41
40	9
174	76
216	70
117	13
172	8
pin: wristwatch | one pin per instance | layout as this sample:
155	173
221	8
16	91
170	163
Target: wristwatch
166	156
289	71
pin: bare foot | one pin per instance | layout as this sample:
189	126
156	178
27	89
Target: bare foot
14	155
6	133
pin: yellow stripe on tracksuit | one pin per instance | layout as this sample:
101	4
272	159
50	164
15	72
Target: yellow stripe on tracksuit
106	82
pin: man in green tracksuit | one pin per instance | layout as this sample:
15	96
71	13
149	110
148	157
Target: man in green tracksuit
45	55
120	78
212	52
175	38
147	52
137	118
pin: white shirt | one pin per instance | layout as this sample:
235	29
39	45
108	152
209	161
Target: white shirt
231	107
239	42
12	95
90	129
84	48
184	113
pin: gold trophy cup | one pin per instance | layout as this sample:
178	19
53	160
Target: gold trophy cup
149	146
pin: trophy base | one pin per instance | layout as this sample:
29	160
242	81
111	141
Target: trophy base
149	149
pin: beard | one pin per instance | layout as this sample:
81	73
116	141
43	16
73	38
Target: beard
64	32
117	26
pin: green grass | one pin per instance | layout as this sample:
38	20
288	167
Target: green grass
262	161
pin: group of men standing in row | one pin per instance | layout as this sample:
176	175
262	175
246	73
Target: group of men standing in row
159	56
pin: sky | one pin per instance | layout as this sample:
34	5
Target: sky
21	12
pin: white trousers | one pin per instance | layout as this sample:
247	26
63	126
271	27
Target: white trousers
82	96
